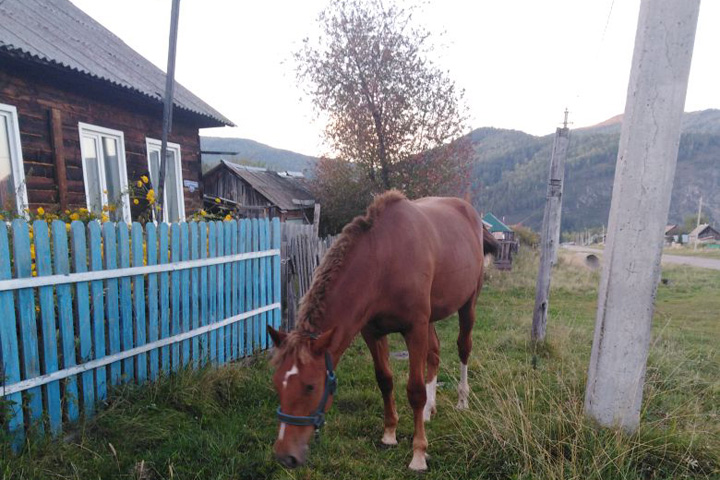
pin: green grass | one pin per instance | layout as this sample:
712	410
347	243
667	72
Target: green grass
525	421
690	252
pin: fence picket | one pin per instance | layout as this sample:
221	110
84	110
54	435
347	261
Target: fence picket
262	231
98	306
185	292
71	398
242	248
153	327
138	258
164	297
48	328
126	310
175	298
113	300
235	248
212	301
195	278
9	344
28	324
204	304
276	282
220	251
227	331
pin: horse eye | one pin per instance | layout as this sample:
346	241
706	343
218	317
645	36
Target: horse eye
309	388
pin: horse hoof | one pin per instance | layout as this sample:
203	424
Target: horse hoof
462	405
419	463
389	440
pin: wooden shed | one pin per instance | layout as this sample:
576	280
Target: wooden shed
704	234
81	116
256	191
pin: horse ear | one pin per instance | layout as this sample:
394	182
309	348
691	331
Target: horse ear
278	337
323	342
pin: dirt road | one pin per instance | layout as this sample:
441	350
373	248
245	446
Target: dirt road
699	262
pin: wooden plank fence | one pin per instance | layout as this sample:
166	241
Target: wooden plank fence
302	251
87	307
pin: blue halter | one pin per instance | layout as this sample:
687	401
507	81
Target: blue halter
317	418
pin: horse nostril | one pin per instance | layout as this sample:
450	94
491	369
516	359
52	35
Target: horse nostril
288	461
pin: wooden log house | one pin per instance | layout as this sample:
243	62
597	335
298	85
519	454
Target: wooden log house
81	116
257	192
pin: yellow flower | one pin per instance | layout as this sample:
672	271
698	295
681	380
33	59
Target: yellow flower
228	217
32	252
41	211
203	212
139	184
82	210
67	212
217	200
112	208
150	197
2	217
74	216
105	208
67	227
136	201
104	218
144	179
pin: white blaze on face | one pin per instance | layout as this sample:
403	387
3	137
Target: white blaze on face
293	371
281	435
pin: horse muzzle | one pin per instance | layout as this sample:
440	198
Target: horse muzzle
291	459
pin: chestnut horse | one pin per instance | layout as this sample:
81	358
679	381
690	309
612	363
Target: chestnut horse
399	268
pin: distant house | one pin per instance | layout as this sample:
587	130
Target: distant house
260	192
671	234
499	230
81	116
704	234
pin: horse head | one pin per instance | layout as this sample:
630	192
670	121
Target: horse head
305	382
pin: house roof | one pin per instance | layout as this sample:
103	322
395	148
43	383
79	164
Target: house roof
285	191
701	229
670	228
57	33
495	224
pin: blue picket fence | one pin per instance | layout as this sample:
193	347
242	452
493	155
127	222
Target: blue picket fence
87	307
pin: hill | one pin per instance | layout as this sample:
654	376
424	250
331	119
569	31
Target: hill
510	174
252	153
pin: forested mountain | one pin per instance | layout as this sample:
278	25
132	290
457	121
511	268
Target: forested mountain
254	154
511	169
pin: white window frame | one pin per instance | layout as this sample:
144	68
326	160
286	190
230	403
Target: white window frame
86	129
9	112
153	144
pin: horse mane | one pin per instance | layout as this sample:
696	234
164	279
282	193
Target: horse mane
312	305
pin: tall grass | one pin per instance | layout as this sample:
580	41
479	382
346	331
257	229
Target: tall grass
525	420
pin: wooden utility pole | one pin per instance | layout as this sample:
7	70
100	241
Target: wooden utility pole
167	110
556	225
550	234
646	161
698	222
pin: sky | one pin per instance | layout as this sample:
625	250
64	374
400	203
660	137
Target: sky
520	62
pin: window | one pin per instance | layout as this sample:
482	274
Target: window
103	158
173	190
13	195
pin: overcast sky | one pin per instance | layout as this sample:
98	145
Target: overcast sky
521	62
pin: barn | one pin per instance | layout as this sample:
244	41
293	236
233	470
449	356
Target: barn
253	191
81	117
499	230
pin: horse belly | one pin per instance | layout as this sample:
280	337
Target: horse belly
451	291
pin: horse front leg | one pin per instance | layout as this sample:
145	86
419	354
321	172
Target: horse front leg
417	343
383	374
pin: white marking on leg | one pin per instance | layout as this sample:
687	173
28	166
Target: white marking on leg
463	388
281	435
418	462
431	391
293	371
389	437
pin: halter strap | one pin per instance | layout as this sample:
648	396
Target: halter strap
317	418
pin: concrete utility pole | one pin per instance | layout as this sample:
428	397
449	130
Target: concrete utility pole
638	213
550	234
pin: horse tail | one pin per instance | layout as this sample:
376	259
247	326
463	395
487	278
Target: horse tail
490	244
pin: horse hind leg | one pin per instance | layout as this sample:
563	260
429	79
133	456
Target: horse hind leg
433	361
464	343
383	374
